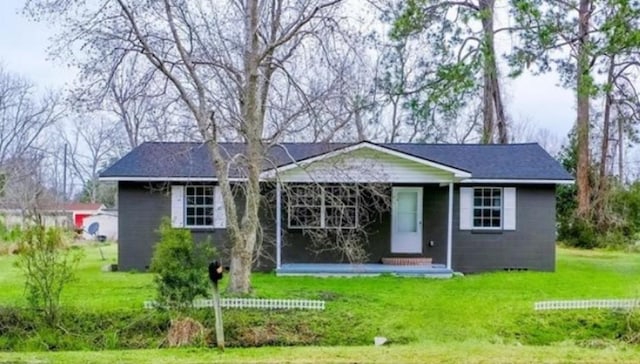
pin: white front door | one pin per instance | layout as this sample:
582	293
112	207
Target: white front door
406	220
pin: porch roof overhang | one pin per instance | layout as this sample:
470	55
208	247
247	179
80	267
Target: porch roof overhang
365	162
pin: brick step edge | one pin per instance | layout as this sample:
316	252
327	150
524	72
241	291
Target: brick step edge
407	261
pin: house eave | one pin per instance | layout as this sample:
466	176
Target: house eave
529	181
267	178
163	179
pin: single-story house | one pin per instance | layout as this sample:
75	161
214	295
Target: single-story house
463	207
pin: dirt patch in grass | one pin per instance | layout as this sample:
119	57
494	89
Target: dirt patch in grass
185	331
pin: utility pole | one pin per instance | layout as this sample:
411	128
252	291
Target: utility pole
64	182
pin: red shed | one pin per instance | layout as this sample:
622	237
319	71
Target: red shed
82	210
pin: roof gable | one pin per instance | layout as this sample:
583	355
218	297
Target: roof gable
365	162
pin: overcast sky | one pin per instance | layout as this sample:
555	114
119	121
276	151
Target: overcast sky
23	44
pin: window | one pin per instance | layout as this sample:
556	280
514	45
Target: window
487	207
313	206
199	206
341	207
305	206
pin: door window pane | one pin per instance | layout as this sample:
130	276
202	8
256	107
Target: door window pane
407	202
407	223
407	211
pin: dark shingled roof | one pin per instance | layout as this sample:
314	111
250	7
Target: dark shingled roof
193	160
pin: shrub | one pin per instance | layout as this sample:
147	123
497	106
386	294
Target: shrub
626	203
48	266
578	232
180	266
9	238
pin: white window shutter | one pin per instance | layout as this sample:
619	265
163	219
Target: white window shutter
219	215
509	220
177	206
466	208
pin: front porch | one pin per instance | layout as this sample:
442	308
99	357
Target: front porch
367	270
415	222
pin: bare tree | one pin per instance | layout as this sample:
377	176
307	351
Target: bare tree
25	118
126	88
25	190
351	113
92	142
524	131
240	66
23	115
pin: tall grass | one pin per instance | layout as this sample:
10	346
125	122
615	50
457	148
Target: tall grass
490	308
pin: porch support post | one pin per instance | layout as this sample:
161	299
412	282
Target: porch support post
278	225
450	225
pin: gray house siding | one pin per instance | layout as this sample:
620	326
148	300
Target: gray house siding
436	208
141	207
530	246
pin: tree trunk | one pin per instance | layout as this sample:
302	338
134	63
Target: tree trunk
603	184
501	119
360	127
245	241
583	85
494	115
603	178
487	111
394	116
620	149
240	266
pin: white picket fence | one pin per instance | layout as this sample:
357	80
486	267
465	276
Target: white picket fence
585	304
257	303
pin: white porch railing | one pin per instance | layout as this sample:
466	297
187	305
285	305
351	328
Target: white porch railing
255	303
586	304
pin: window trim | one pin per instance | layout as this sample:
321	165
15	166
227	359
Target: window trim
186	205
474	207
323	208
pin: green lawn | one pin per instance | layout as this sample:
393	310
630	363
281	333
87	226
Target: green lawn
427	352
457	319
93	288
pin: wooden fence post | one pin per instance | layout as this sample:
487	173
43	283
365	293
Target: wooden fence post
215	274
